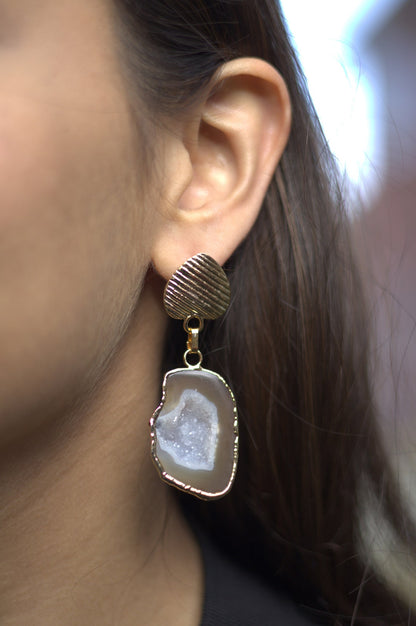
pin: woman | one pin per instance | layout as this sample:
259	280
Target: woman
134	135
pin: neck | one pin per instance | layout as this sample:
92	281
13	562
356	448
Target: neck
88	533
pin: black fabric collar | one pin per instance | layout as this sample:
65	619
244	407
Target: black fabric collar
235	597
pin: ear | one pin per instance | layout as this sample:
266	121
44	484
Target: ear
221	163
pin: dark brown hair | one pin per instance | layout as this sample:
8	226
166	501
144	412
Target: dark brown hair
294	344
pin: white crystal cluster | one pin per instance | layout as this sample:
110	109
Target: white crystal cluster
189	432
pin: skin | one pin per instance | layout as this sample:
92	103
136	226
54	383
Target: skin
87	530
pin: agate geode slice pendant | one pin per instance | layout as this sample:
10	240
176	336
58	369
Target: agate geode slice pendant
194	430
194	433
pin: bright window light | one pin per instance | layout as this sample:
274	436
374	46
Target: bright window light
343	80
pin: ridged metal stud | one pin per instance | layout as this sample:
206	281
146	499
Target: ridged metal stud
198	288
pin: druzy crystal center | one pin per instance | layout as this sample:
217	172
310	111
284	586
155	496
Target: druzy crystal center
189	432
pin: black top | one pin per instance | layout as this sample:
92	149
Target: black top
235	597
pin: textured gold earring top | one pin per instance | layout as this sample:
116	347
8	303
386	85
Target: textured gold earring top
199	288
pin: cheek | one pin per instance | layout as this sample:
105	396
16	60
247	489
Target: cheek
25	164
67	276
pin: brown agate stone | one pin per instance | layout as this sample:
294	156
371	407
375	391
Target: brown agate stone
194	432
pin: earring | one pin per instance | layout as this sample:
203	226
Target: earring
194	430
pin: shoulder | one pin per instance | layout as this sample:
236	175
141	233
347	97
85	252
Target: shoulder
235	597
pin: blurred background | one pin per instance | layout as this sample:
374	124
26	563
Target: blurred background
359	57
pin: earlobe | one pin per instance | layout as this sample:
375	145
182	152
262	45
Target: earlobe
242	130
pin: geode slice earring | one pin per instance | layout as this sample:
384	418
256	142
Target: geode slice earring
194	430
